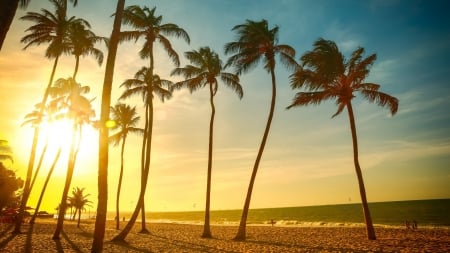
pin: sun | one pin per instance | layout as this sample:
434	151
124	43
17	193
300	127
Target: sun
59	134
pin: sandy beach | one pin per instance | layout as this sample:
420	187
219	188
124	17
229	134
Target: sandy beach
165	237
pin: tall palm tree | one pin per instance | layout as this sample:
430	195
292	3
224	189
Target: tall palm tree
50	28
126	119
148	26
79	201
256	42
102	204
326	74
206	68
148	87
82	42
8	10
80	111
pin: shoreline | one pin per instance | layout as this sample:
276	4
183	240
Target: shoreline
170	237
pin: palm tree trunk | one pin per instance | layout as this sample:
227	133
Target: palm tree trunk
241	234
148	152
119	186
50	172
362	191
38	168
79	217
77	63
100	221
26	187
7	12
126	230
145	158
70	168
206	227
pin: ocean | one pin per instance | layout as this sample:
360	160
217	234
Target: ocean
427	213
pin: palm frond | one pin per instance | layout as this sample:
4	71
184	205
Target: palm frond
382	99
309	98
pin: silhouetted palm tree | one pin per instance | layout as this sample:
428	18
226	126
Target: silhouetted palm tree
102	204
126	119
206	68
5	151
35	119
82	42
79	201
148	87
8	10
256	42
50	28
326	74
80	111
148	26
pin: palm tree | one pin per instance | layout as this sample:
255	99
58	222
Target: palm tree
5	151
148	86
80	111
148	26
50	28
256	42
35	119
205	69
102	204
326	74
79	201
126	119
83	42
8	10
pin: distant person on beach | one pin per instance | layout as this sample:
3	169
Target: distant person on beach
414	224
407	224
272	222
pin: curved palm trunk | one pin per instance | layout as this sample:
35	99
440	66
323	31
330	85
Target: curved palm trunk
38	168
126	230
26	187
119	186
362	191
100	221
206	227
241	234
143	152
7	12
70	168
50	172
77	63
143	155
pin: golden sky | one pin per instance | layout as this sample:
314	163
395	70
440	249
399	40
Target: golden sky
308	158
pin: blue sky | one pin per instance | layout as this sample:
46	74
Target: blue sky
308	157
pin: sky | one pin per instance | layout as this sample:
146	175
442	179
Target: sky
308	159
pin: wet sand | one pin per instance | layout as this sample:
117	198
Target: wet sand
165	237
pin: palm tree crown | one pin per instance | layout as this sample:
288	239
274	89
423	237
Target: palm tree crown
148	26
51	28
82	43
143	82
205	69
126	119
328	75
255	43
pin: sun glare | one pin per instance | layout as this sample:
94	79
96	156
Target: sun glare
59	135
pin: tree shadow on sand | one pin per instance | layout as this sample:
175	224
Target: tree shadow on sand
6	236
70	242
